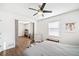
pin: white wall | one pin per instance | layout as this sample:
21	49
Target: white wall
21	29
66	37
7	30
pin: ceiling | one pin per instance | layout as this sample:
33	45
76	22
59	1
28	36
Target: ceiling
22	9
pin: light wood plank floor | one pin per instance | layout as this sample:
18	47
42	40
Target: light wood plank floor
21	44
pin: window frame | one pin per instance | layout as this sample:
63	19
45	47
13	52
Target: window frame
54	28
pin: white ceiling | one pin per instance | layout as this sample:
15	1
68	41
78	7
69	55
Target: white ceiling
22	9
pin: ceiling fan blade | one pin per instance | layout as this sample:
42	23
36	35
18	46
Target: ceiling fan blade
43	5
33	9
46	11
35	14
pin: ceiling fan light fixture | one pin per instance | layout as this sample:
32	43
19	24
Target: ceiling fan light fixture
40	13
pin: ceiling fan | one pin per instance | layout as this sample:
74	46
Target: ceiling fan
41	10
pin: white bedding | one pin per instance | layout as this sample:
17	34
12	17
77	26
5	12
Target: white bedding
48	48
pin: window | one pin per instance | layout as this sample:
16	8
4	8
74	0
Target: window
53	28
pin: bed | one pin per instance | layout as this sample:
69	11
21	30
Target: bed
49	48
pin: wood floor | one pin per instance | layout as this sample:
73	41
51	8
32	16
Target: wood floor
21	45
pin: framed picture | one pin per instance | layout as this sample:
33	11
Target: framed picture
70	27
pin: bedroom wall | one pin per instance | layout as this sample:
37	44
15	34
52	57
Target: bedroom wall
7	31
66	37
21	29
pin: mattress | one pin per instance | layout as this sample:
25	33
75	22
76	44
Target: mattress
48	48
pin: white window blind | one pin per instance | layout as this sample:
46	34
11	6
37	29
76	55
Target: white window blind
53	28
